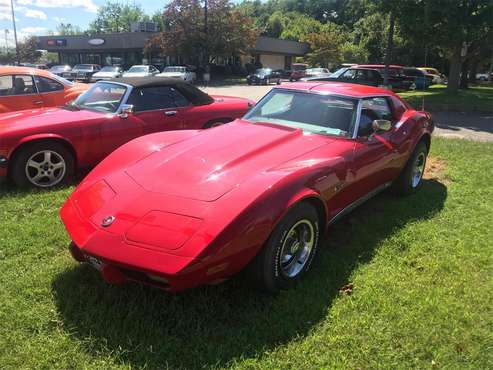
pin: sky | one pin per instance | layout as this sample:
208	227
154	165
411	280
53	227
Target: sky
37	17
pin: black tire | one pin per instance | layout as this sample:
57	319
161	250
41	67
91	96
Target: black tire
19	163
278	82
218	122
266	271
406	182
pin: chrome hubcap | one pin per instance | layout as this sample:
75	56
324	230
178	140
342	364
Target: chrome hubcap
45	168
297	248
418	169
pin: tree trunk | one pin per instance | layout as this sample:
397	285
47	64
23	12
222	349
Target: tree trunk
473	70
464	78
388	51
454	71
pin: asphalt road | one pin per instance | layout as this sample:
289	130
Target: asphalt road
471	126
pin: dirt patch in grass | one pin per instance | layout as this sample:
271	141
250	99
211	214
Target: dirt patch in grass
434	170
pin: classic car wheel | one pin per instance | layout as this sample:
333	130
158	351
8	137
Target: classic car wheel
42	165
412	175
289	251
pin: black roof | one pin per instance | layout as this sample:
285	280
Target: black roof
193	94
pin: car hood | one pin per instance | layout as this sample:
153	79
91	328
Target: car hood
36	118
105	74
208	165
171	74
135	74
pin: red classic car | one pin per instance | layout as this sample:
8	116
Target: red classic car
43	147
184	208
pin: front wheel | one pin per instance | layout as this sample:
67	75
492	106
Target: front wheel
289	252
411	176
42	165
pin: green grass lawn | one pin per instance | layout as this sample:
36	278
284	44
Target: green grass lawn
478	98
422	297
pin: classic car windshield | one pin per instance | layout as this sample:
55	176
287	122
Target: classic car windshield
102	97
60	68
175	69
137	69
316	113
82	67
263	71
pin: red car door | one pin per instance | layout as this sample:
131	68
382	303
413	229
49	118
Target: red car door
51	92
374	156
159	108
18	92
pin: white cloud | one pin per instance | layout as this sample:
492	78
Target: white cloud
32	13
33	30
87	5
59	19
24	2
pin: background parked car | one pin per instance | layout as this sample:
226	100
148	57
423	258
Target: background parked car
397	78
355	75
29	88
264	76
43	147
180	72
141	71
59	70
298	70
483	77
82	72
317	72
107	73
437	77
422	80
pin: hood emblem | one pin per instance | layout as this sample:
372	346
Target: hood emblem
107	221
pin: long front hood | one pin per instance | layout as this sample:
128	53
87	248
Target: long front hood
212	163
37	118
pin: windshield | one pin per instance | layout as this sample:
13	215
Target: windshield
263	71
83	67
316	113
102	97
137	69
174	69
339	72
110	69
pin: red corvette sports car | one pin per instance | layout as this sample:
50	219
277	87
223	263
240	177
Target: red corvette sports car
184	208
43	147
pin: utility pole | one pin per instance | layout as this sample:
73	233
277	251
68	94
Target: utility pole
390	45
206	31
15	31
6	42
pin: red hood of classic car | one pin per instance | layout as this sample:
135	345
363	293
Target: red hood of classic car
35	118
210	164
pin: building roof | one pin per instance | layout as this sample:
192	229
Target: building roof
193	94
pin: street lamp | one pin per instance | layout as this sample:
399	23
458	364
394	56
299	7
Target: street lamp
15	31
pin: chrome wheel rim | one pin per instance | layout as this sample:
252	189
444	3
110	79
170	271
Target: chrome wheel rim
297	248
45	168
418	169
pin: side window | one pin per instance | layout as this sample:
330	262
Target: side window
399	108
5	85
371	110
46	85
18	85
154	98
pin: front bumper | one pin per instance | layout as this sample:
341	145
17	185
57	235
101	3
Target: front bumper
121	261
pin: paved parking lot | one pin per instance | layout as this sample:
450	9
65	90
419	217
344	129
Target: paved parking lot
471	126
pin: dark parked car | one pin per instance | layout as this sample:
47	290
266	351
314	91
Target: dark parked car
264	76
397	78
59	70
422	80
82	72
298	70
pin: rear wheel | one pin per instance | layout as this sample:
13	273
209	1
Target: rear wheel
42	165
411	176
289	251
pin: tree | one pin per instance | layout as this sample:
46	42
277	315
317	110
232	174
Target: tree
326	45
228	32
67	29
27	50
114	17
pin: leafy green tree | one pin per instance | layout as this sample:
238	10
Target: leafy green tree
67	29
185	34
27	50
326	45
114	17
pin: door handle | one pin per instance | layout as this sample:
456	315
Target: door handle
170	113
38	102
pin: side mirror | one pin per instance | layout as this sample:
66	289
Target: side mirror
381	125
125	110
